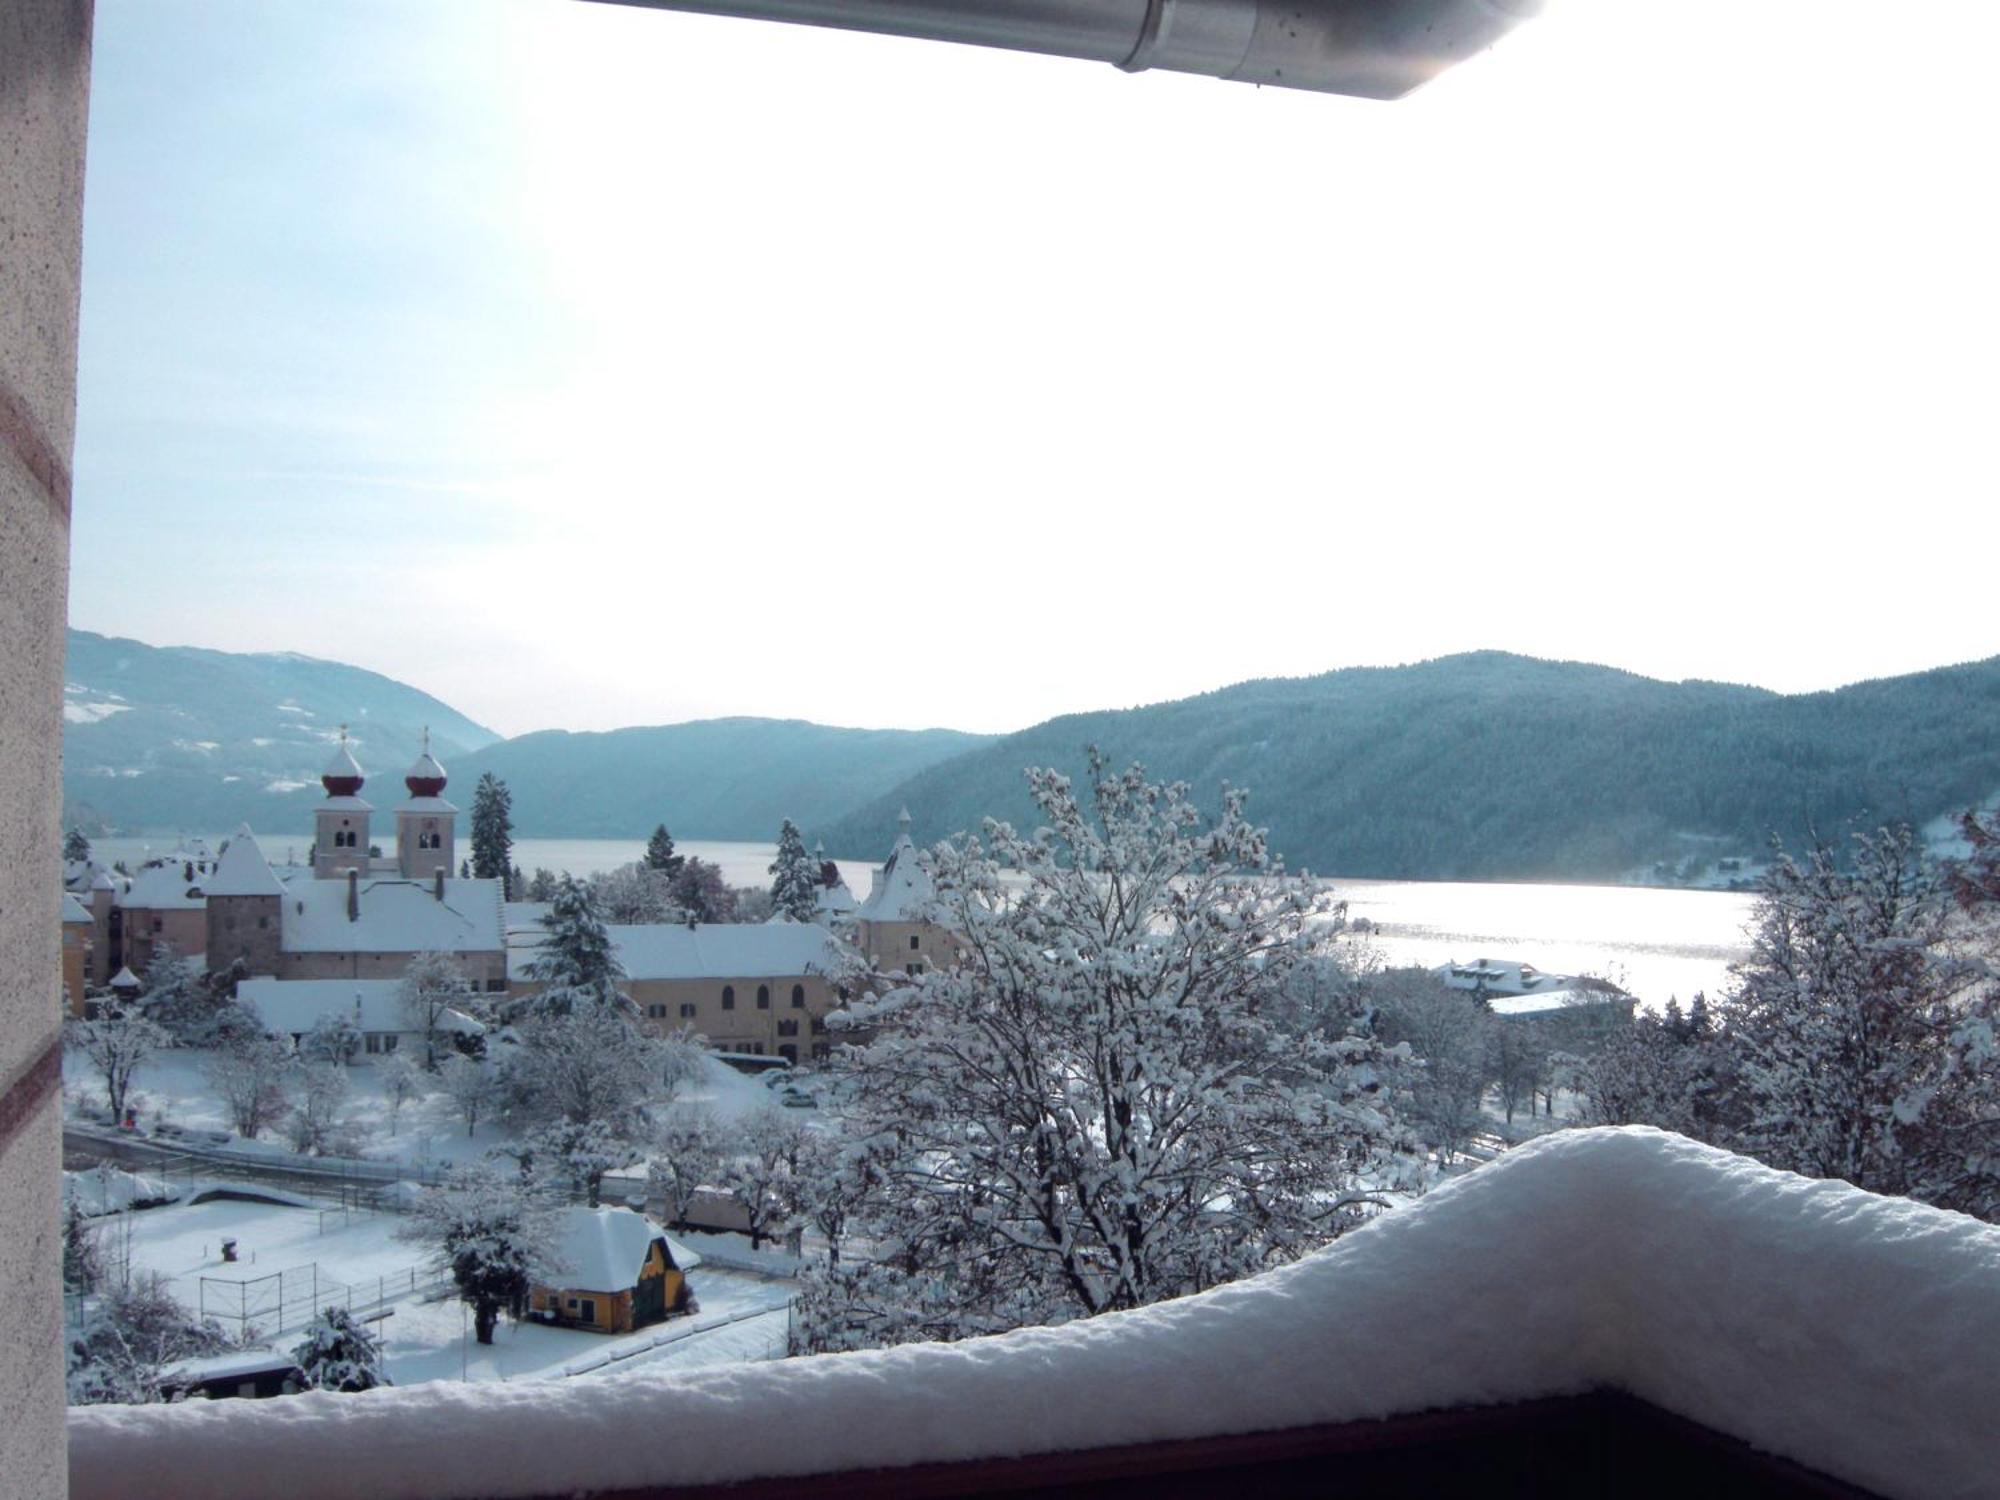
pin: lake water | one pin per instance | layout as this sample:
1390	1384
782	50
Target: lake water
1656	943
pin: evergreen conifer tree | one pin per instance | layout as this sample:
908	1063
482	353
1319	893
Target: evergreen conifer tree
492	830
576	958
660	853
76	848
339	1354
794	876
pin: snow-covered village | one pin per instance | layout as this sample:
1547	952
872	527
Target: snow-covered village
765	748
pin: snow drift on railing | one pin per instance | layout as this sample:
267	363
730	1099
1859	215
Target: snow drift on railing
1853	1333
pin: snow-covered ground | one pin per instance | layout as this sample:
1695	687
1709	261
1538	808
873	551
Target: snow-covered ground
329	1257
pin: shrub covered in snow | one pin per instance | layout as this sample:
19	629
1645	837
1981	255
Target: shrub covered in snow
339	1354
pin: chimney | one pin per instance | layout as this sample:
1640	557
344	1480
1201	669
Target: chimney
353	895
437	882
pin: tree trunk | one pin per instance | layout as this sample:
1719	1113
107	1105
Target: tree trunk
485	1316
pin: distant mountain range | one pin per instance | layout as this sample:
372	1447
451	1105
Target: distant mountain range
1491	766
1482	766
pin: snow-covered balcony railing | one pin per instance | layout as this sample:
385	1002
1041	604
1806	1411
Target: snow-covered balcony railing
1850	1333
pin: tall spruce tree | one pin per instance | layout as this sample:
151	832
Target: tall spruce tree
576	957
794	876
492	829
660	853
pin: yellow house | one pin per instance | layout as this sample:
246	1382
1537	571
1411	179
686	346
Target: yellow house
615	1271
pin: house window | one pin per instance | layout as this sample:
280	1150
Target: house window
763	997
158	923
916	968
788	1028
586	1309
496	985
788	1052
913	942
819	1026
687	1010
821	1051
656	1012
263	923
729	997
798	997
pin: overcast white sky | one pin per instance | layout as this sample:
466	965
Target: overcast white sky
590	366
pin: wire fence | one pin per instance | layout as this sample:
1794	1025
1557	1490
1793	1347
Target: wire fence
284	1301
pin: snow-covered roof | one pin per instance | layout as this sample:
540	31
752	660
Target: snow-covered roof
713	950
602	1249
343	763
902	892
1541	1002
167	887
290	1007
397	916
1501	977
243	870
1849	1332
74	910
102	881
125	979
343	804
836	900
426	805
238	1364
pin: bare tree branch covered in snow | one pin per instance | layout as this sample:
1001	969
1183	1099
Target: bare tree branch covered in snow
432	985
249	1077
1093	1109
116	1044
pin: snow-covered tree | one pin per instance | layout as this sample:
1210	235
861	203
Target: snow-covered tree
576	964
249	1077
687	1156
494	1232
579	1154
116	1044
335	1038
339	1354
1091	1110
702	894
83	1258
660	853
472	1087
1451	1035
680	1055
543	885
760	1170
591	1064
492	829
320	1088
433	984
401	1080
794	876
128	1336
634	895
177	997
76	847
1863	1039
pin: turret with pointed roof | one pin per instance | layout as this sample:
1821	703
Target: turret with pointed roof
340	823
426	825
245	908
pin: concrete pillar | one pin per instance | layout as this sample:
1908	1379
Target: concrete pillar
44	98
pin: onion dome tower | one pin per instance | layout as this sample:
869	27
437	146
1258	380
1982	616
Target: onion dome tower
340	823
426	825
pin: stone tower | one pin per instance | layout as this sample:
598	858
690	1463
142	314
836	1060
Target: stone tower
340	823
426	825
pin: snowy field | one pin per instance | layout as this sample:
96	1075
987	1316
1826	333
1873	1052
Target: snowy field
171	1090
423	1340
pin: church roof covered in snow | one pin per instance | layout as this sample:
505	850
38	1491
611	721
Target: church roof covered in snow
902	891
176	885
396	916
243	870
290	1007
713	950
602	1249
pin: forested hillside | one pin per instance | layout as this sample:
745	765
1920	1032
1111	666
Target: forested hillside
1495	766
710	779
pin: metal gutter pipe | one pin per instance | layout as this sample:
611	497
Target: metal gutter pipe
1376	49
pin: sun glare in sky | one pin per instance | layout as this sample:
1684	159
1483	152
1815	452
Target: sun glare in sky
590	366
